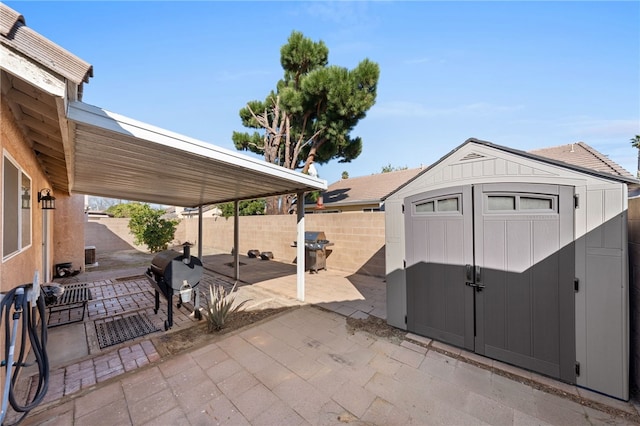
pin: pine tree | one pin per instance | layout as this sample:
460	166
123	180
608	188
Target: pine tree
310	115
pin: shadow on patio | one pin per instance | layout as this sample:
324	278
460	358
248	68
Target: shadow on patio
80	355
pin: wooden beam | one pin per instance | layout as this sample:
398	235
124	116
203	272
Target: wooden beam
36	75
5	82
54	171
50	142
61	164
32	92
40	126
33	104
66	133
45	150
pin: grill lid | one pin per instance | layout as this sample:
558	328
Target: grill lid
314	236
170	267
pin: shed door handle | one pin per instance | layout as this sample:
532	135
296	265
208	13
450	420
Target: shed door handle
474	277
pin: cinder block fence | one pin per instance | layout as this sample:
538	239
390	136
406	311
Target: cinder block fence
358	238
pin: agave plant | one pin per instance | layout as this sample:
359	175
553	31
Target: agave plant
220	305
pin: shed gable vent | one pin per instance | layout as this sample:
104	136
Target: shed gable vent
472	156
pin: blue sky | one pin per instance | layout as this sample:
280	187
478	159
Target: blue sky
521	74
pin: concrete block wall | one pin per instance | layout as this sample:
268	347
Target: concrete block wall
634	295
108	234
358	237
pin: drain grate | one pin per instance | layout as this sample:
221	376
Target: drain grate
120	330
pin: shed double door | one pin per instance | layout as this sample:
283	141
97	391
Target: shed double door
490	268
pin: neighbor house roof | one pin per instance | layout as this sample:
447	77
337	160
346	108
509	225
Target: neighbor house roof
582	155
367	189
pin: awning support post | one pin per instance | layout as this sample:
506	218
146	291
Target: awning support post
236	239
300	246
200	233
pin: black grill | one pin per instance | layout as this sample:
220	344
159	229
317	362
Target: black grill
172	273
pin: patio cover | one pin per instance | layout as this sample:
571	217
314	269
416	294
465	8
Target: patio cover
118	157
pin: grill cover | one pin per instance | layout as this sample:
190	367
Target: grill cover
169	266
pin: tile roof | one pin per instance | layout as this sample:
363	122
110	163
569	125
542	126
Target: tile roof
582	155
367	189
15	34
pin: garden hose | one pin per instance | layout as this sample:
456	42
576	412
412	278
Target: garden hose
28	304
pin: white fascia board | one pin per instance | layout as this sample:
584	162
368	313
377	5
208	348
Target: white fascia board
31	72
98	117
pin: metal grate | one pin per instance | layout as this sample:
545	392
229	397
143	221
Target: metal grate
120	330
74	293
74	296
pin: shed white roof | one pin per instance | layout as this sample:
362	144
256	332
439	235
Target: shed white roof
118	157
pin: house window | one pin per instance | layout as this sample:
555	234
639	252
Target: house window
16	208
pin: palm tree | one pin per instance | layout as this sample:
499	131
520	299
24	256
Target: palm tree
636	144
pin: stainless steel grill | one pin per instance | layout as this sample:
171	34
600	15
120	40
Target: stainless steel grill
172	273
315	253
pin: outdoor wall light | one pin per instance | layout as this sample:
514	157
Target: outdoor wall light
48	201
26	199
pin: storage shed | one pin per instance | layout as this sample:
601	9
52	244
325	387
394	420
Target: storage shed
516	257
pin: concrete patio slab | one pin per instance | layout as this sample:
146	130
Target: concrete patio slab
217	384
301	367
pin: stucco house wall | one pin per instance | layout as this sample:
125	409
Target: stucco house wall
66	229
19	269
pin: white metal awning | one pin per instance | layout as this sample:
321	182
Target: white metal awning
118	157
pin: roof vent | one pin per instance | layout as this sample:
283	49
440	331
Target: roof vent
472	156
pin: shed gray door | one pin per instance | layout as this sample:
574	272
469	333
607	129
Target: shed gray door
439	242
518	304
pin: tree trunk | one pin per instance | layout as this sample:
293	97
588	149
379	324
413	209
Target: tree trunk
272	205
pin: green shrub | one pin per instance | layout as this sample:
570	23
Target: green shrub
220	306
125	209
149	228
245	208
